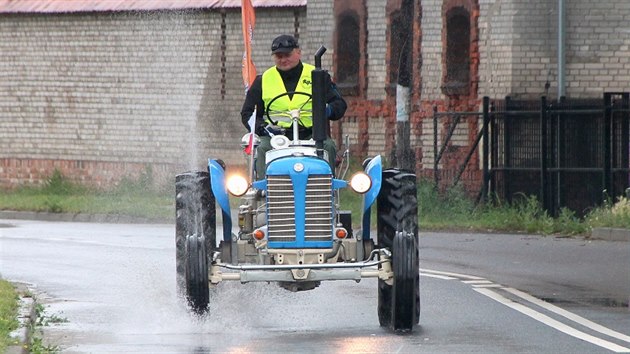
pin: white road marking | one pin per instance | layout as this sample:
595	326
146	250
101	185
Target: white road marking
487	285
456	275
551	322
437	276
477	281
571	316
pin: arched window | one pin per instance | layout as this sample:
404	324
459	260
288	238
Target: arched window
348	54
457	52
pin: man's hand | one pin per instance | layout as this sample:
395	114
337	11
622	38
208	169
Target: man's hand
274	130
328	111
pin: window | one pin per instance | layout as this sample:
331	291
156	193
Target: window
348	54
457	54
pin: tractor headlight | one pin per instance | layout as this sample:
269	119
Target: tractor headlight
360	182
237	185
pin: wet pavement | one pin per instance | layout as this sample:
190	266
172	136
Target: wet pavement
115	286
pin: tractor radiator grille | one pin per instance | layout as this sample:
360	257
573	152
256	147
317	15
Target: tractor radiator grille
281	211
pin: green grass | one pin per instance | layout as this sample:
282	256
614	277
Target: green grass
137	198
451	210
8	314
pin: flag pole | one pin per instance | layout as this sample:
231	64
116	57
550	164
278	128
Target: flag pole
248	22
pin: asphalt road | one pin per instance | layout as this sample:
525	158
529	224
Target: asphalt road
114	283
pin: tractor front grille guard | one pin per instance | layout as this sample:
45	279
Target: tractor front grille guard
281	211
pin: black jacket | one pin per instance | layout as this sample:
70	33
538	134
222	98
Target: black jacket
254	100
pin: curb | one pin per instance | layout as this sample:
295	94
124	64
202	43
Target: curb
26	319
610	234
70	217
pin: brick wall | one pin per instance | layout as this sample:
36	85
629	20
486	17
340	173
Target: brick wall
519	48
598	47
377	49
112	93
164	88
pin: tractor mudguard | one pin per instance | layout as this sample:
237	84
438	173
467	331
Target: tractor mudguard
217	183
374	169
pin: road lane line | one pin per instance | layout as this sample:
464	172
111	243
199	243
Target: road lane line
437	276
570	315
472	282
456	275
551	322
487	286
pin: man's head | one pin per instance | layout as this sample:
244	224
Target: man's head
286	52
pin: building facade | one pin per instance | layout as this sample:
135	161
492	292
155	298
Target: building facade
104	93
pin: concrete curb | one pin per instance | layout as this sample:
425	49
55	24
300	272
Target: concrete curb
69	217
26	319
610	234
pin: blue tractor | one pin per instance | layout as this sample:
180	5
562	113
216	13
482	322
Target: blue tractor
290	227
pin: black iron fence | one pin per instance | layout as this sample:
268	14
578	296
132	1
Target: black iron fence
569	153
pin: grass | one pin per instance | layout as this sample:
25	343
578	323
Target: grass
451	210
8	314
131	197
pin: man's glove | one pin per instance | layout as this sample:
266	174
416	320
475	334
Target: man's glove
274	130
260	131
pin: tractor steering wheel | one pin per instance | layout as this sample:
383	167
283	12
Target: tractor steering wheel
284	113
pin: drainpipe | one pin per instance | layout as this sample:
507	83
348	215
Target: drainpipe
561	52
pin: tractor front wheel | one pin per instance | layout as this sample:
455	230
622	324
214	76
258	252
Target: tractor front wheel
397	230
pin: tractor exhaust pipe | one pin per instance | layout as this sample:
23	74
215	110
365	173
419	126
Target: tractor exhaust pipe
319	103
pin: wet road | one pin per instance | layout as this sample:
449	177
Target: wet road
114	284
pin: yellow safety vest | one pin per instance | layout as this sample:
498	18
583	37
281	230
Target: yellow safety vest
272	86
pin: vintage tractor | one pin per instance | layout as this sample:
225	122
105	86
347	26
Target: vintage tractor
290	227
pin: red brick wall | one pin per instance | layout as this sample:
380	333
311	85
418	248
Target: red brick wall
361	110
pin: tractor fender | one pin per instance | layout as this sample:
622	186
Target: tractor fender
217	183
374	169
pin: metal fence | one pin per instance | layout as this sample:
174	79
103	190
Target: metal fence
571	153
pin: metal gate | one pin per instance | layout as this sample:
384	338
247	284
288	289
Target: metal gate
572	153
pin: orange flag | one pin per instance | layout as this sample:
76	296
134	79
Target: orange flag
248	22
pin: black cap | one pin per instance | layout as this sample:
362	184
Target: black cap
284	44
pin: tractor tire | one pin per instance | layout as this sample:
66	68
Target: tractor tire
197	283
195	237
397	230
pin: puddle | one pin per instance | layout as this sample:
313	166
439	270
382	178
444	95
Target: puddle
599	301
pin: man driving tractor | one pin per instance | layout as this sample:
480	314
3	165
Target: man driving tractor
291	77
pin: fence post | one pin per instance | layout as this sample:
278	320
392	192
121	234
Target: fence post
624	159
507	151
543	154
435	149
486	149
607	180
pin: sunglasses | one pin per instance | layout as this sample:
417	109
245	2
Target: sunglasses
287	43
